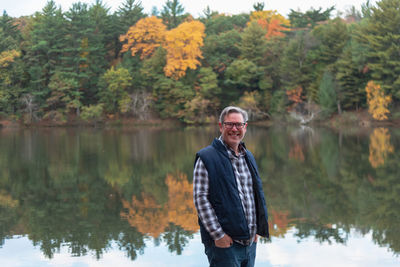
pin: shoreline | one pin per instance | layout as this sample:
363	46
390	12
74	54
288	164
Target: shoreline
359	119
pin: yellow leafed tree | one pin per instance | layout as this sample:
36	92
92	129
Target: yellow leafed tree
183	48
144	37
379	146
6	200
378	102
181	210
270	20
6	59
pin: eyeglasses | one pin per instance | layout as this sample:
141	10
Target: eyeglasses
239	125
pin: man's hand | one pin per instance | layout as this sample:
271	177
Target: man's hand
224	242
256	238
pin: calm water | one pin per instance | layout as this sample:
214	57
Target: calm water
123	197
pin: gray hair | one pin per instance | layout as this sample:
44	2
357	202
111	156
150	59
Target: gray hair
232	109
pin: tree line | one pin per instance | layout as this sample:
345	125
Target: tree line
90	64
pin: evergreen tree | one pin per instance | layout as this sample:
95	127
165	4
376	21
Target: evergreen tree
45	45
331	39
208	13
351	77
296	62
76	60
327	93
380	36
128	14
259	6
310	18
10	30
219	23
11	66
88	32
253	44
172	13
100	42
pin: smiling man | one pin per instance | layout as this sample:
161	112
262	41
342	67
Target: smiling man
228	195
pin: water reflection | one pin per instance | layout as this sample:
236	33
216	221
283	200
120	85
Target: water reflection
379	146
88	190
327	185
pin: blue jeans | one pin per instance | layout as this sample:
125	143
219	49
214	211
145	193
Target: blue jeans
234	256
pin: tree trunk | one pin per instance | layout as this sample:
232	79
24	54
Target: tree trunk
339	108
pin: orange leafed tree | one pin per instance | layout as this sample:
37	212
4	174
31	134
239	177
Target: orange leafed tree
379	146
183	48
152	218
295	96
279	222
378	102
273	22
144	37
296	152
146	215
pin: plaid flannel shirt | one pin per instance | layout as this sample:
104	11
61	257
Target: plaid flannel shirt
245	188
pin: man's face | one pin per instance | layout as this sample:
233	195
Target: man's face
232	135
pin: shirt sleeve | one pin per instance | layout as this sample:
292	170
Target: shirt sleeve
203	206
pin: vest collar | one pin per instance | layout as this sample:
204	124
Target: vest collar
218	145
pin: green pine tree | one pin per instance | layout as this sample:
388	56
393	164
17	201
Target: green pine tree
380	35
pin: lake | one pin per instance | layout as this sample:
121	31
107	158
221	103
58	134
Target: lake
123	197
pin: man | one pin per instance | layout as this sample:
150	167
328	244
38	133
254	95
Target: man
228	195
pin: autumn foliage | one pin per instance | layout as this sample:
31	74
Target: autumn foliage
274	23
378	102
295	96
152	218
144	37
181	43
7	57
296	152
279	222
183	48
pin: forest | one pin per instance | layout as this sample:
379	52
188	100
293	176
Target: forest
90	65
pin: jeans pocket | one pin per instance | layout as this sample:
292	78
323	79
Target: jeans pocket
224	247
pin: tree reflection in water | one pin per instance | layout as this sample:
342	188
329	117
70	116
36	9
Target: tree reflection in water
86	189
176	220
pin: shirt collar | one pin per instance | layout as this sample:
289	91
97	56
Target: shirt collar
231	153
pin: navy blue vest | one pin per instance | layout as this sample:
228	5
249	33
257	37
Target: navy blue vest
224	194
